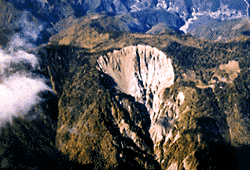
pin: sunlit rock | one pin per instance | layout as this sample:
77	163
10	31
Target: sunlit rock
140	71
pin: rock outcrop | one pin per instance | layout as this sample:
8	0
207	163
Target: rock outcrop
176	110
131	103
175	103
102	126
140	71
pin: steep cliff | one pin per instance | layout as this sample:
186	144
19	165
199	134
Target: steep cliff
175	109
140	71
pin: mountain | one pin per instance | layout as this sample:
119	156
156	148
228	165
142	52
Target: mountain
184	118
118	85
51	17
217	30
118	103
141	101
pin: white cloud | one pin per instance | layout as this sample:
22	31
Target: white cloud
17	94
18	89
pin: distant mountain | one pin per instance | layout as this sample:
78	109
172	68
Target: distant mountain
140	16
226	30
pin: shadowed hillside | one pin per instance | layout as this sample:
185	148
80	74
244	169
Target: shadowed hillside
131	101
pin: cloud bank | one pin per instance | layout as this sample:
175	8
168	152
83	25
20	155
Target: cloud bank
18	94
19	85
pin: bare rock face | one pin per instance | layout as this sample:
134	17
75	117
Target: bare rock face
182	105
130	108
126	111
188	123
102	126
203	123
186	118
142	72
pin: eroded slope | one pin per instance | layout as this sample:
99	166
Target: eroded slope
200	110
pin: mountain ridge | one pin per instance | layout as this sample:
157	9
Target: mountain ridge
204	105
182	16
121	100
194	96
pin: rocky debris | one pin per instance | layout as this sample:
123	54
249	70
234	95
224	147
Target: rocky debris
174	112
140	71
